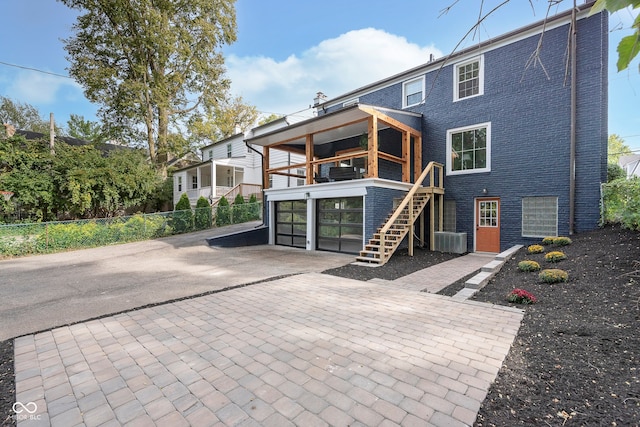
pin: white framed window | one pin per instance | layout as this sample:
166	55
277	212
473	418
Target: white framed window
539	216
210	155
468	78
301	181
194	182
229	151
469	149
179	183
412	92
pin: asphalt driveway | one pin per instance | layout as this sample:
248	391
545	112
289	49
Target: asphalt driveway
45	291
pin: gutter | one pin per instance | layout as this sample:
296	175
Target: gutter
572	143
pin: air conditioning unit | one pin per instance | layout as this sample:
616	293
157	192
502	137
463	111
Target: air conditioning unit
447	241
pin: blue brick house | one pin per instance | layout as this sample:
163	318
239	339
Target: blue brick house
490	146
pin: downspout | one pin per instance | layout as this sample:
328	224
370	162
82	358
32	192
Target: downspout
264	205
572	155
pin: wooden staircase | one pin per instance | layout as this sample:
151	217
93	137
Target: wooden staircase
400	223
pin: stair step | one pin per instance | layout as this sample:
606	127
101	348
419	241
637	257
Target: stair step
368	260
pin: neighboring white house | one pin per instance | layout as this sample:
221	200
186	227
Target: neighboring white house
630	164
230	167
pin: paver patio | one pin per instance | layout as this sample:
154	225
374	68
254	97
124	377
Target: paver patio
306	350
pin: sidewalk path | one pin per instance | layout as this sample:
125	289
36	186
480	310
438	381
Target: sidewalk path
439	276
307	350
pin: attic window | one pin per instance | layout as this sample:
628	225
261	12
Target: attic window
412	92
229	151
468	78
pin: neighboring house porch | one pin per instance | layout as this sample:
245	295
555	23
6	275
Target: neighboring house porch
212	180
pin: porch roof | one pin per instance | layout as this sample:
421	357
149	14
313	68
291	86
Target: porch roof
345	123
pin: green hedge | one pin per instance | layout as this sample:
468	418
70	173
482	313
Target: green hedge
621	202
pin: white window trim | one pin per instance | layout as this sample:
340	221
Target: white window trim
449	151
404	94
480	60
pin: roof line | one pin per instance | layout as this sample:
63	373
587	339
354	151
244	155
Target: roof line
445	59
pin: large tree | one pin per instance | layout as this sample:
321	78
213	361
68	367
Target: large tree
22	116
86	130
76	182
151	63
225	119
616	148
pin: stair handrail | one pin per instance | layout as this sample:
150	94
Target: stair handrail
235	191
409	197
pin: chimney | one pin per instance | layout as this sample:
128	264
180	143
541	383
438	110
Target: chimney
9	129
319	99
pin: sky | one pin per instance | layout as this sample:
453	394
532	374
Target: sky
287	50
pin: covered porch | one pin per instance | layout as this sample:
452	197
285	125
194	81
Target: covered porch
361	141
362	164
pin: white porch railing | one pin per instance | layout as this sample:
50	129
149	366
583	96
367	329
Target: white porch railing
246	190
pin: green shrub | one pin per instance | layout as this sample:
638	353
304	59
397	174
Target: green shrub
615	171
528	265
223	212
239	210
254	208
203	214
183	215
555	256
621	202
562	241
535	249
548	240
553	275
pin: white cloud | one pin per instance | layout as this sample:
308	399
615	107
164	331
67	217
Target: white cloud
334	66
37	88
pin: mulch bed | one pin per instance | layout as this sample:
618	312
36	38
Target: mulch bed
574	361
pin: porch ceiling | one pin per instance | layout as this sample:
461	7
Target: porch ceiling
345	123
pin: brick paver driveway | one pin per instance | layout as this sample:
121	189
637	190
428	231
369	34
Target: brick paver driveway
307	350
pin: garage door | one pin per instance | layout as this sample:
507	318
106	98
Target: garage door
291	223
340	224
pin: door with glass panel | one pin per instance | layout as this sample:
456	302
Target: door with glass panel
488	225
340	224
291	223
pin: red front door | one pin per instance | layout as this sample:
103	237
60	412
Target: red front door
488	225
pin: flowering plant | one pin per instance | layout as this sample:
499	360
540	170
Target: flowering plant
528	265
535	249
562	241
555	256
553	275
520	296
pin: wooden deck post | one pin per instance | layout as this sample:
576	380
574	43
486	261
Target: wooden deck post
417	157
406	154
309	156
372	158
265	167
411	221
